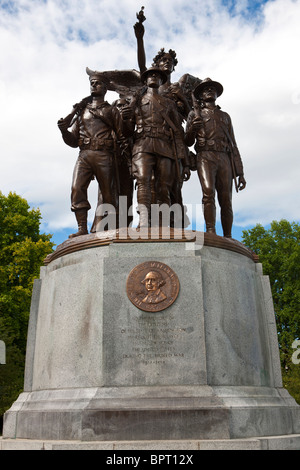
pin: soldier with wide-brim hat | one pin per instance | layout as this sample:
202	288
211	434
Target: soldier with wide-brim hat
205	83
150	70
218	158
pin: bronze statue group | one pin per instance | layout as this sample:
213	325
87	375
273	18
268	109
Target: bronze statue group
145	138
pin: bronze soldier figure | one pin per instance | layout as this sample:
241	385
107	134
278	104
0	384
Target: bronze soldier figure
167	62
153	121
123	177
92	133
218	158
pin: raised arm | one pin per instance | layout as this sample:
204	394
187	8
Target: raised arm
139	31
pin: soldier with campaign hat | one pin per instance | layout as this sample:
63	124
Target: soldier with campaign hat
218	158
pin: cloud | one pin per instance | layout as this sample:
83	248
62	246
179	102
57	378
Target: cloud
253	53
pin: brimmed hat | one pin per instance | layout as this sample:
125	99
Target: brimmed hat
154	69
206	82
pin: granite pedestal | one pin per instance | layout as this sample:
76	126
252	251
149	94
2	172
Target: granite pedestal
100	369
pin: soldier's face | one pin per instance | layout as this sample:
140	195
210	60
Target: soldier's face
166	63
97	87
154	80
209	93
121	103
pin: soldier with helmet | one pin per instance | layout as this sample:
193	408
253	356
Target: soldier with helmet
153	121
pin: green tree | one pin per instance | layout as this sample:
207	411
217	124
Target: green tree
279	252
22	251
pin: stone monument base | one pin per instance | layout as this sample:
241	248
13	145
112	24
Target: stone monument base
105	366
159	414
290	442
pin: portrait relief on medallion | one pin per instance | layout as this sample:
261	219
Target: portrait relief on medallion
152	286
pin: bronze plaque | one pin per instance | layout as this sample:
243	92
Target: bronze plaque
152	286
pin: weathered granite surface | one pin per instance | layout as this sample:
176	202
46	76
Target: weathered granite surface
100	369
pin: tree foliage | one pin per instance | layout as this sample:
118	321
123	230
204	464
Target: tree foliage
22	251
279	252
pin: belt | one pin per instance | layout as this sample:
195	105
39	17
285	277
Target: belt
87	143
211	144
148	131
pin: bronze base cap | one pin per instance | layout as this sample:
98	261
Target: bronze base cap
169	235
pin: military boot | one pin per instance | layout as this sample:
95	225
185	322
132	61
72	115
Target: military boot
81	217
210	218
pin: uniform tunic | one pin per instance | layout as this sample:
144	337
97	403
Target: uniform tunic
218	160
92	133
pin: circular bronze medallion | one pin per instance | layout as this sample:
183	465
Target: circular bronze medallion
152	286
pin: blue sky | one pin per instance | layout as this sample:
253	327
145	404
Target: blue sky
251	47
247	9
